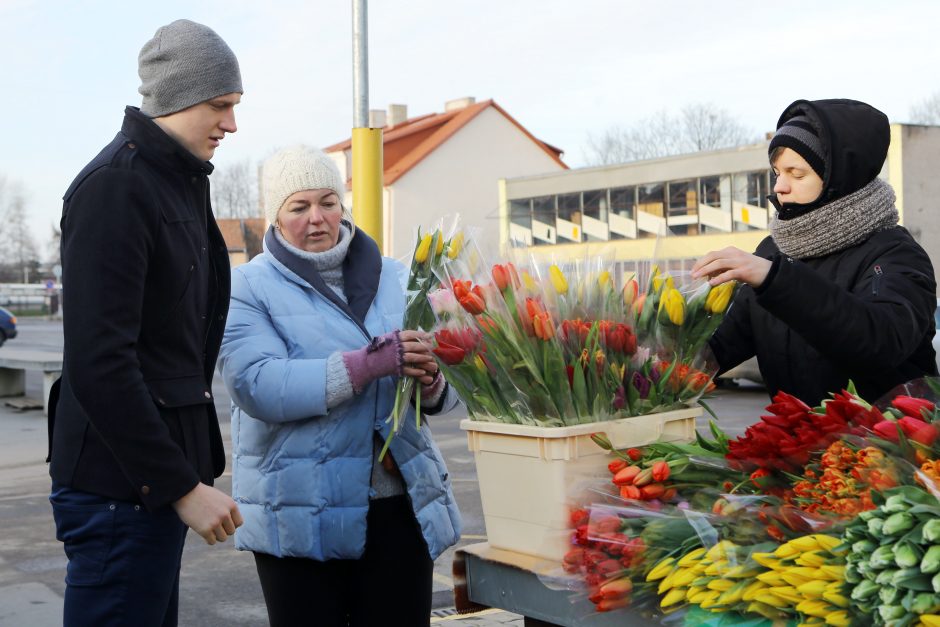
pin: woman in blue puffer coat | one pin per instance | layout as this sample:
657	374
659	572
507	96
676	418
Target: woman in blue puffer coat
311	354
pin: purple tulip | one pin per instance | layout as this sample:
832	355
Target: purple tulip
641	384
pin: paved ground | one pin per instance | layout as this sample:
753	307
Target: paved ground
218	584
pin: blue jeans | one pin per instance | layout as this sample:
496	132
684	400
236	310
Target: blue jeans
124	561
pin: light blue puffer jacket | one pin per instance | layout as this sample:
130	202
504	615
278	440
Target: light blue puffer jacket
301	475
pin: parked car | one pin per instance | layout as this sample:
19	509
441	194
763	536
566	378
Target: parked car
7	325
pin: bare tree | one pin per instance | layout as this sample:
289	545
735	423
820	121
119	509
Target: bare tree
697	127
235	190
20	257
927	111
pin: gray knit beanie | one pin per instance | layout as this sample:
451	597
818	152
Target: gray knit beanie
184	64
799	135
297	169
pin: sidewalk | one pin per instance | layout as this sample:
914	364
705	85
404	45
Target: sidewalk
32	563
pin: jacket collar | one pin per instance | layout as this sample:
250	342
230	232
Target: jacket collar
156	146
362	270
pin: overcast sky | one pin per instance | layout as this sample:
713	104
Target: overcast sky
564	70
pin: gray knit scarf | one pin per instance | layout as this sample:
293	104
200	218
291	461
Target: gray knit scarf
839	224
329	263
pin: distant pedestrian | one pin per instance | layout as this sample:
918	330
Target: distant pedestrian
135	441
839	291
311	355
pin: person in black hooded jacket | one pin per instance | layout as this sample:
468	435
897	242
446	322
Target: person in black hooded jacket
839	292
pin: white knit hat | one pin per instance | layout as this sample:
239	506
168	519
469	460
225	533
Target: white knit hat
297	169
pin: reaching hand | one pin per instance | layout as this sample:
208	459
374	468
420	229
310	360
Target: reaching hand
209	512
727	264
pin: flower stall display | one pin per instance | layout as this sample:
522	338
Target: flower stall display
815	516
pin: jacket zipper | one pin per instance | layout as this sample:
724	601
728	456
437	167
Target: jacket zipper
876	281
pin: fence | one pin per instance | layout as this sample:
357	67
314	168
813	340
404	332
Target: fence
34	298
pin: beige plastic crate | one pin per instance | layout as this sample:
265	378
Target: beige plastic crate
526	473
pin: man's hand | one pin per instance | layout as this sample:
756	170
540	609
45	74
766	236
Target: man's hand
727	264
418	360
209	512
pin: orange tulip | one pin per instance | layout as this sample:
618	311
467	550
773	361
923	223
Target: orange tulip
501	276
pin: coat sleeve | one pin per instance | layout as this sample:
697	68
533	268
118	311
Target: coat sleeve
260	376
109	231
877	324
733	341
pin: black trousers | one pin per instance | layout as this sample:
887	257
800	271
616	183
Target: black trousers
389	585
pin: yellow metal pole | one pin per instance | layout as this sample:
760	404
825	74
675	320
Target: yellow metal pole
367	179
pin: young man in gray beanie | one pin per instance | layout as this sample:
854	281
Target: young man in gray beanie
134	439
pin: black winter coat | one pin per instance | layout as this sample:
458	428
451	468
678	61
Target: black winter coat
145	296
864	313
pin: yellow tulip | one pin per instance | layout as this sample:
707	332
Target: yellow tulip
528	280
787	593
811	559
440	243
785	551
661	569
831	572
753	589
455	246
841	619
424	247
722	549
768	560
558	279
603	279
836	599
721	585
674	304
716	302
480	364
673	597
803	543
813	589
769	598
683	578
772	578
692	557
630	290
814	608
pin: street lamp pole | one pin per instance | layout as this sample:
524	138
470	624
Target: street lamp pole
366	142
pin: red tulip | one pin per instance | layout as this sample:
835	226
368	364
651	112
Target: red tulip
449	354
625	476
913	406
616	466
473	303
652	491
501	276
630	492
918	430
888	429
634	453
660	471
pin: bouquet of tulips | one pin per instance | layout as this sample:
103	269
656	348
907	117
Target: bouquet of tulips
432	250
559	343
838	525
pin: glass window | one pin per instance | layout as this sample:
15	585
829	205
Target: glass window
543	209
623	202
710	191
682	198
751	188
569	207
651	199
520	212
595	204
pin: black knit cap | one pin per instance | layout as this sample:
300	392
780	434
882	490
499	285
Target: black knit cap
799	135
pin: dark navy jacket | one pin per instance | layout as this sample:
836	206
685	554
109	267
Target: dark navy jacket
145	296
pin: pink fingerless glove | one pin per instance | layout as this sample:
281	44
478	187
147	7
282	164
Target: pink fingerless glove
382	357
